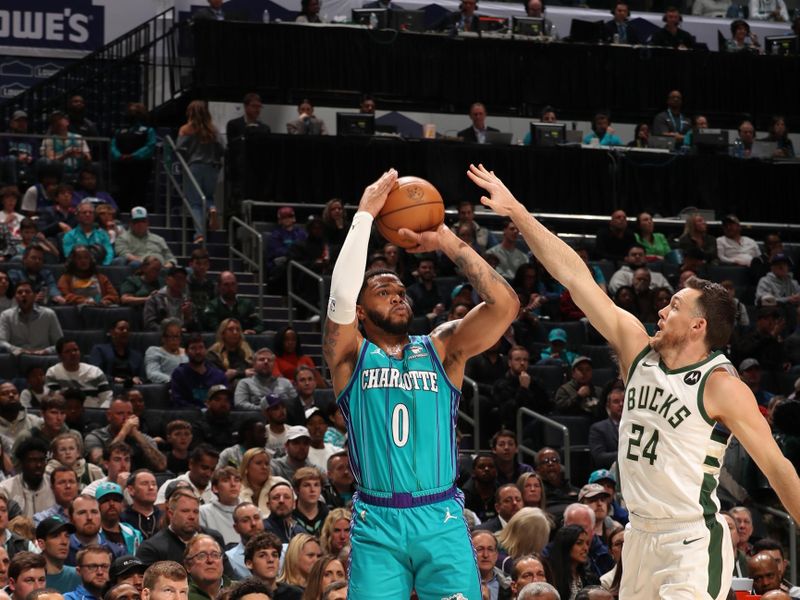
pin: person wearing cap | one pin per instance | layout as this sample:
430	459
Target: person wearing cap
608	480
229	305
556	353
127	570
52	537
226	483
171	301
282	238
88	233
763	343
578	396
18	152
202	462
191	381
779	282
596	497
750	373
250	391
319	450
297	445
120	537
604	435
518	389
215	427
138	241
281	506
733	248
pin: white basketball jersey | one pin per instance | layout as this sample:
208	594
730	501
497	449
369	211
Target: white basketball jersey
670	450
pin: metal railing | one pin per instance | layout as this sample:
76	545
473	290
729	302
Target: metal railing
178	188
238	229
475	418
792	538
318	309
567	446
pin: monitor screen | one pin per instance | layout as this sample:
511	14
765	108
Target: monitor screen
781	45
407	20
355	124
548	134
531	26
361	16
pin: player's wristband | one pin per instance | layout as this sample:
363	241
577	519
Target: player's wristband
348	274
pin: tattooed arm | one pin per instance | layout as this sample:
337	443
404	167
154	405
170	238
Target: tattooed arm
457	341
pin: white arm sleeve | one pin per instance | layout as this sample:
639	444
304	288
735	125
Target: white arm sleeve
348	274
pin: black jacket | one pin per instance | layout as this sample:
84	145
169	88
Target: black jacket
468	134
165	545
278	526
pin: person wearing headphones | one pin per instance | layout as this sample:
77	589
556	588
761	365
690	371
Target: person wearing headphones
671	35
464	20
535	9
619	26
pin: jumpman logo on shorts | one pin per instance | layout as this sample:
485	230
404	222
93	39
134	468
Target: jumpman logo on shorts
448	516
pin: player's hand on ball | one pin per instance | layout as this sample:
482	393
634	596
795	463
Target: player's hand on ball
374	196
427	241
501	200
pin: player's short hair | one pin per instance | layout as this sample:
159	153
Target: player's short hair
168	569
718	309
369	275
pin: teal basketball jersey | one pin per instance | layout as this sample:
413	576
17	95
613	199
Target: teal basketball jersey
401	415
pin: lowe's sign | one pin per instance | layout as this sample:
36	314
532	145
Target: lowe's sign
50	24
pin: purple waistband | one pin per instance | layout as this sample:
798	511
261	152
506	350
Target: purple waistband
405	499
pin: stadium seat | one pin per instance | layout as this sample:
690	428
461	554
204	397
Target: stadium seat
157	420
600	354
102	317
576	331
26	361
8	367
261	340
86	338
739	275
156	395
578	427
68	316
142	340
603	375
116	275
548	376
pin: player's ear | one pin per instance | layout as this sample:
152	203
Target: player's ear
360	313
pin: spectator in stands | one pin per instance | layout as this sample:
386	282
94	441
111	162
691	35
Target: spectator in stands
247	524
66	450
52	537
192	380
655	244
613	242
340	487
319	451
507	503
466	20
216	427
763	343
14	418
202	462
30	488
289	356
179	438
641	137
567	558
301	554
138	242
280	520
65	147
751	374
493	579
257	478
508	255
262	558
51	424
596	497
212	12
93	564
504	449
42	194
9	217
310	512
201	288
604	435
764	570
672	122
742	39
733	248
142	513
337	430
769	10
557	489
132	149
307	123
6	293
237	130
145	282
220	514
60	217
532	489
231	353
619	26
282	238
479	490
780	135
602	131
743	145
335	224
106	218
10	542
671	35
309	12
229	305
518	389
547	115
78	122
711	8
70	372
425	295
779	282
26	575
89	234
305	383
643	296
121	538
200	146
86	189
28	328
695	235
635	259
41	279
82	284
122	444
117	359
536	9
579	396
250	390
30	235
296	448
335	534
171	302
161	361
18	152
251	434
482	237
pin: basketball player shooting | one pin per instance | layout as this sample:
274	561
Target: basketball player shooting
682	403
399	396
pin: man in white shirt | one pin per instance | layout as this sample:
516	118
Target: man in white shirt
226	483
202	462
509	257
635	259
733	248
72	373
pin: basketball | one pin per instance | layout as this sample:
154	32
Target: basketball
413	204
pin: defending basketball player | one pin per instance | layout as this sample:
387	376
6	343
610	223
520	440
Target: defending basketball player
682	402
399	396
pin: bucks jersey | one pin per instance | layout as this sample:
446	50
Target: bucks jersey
670	450
401	415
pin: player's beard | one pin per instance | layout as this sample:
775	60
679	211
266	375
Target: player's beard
388	325
668	340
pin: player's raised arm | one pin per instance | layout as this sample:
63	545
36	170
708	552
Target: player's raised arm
457	341
340	340
622	330
727	399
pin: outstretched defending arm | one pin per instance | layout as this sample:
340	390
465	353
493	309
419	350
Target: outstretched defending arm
340	340
622	330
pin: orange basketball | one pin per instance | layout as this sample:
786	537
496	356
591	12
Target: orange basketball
413	204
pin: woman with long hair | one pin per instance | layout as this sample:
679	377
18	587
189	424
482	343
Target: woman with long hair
656	246
641	136
324	572
289	355
695	235
779	134
335	225
257	479
611	580
568	556
335	534
231	353
198	142
532	489
527	532
81	282
301	554
161	361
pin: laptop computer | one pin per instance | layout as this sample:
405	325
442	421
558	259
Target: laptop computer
407	20
574	136
763	149
498	138
530	26
661	142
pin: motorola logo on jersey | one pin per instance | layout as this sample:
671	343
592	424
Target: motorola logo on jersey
692	377
49	24
385	377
